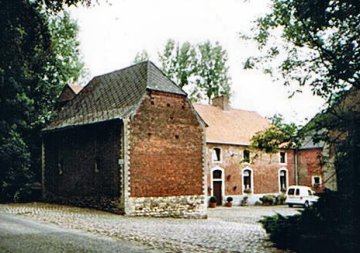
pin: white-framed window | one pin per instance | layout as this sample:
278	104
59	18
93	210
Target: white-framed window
248	180
316	181
216	155
283	180
282	157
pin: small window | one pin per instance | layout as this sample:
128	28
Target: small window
316	181
217	174
282	157
61	167
216	155
97	166
297	192
310	193
246	155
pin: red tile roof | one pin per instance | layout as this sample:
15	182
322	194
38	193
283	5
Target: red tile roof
232	126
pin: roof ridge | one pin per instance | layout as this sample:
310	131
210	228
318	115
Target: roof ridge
231	108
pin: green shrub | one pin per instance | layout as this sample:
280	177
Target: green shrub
213	199
280	199
268	199
326	226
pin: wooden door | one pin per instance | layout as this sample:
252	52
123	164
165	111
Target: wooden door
217	186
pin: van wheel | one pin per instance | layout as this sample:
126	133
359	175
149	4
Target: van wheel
290	205
306	204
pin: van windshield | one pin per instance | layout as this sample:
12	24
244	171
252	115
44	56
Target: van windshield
291	191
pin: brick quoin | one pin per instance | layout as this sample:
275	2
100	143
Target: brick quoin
166	148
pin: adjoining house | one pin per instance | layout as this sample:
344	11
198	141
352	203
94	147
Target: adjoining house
129	142
315	165
233	169
316	160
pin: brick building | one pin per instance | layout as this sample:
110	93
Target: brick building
233	169
129	142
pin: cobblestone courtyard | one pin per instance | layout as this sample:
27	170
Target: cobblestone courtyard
226	229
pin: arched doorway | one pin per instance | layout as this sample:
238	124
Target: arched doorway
217	185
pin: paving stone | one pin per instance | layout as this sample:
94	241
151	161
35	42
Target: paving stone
233	229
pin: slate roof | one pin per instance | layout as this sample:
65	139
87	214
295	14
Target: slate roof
232	126
308	143
114	95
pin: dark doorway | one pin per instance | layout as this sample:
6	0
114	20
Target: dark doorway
217	186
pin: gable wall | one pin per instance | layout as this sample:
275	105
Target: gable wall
75	151
166	144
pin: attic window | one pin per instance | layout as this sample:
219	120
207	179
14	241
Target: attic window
246	156
216	155
282	157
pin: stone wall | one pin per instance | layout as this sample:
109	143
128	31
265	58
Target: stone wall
81	166
177	206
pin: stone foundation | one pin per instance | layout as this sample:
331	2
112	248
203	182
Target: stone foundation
175	206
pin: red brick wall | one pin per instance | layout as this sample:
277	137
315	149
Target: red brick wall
309	164
165	148
265	169
78	149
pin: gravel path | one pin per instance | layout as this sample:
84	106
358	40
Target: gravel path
226	229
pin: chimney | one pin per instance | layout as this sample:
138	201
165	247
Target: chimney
223	102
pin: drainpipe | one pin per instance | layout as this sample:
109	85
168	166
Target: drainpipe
296	167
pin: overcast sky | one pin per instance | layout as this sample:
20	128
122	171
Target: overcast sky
112	34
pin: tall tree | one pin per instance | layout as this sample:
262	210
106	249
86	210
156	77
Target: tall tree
31	75
179	62
200	69
212	73
320	47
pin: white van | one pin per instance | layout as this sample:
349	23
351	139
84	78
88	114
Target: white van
300	195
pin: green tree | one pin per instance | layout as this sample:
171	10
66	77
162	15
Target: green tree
65	46
279	135
178	62
199	69
319	46
31	76
212	77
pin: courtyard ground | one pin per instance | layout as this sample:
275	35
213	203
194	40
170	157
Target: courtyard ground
233	229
